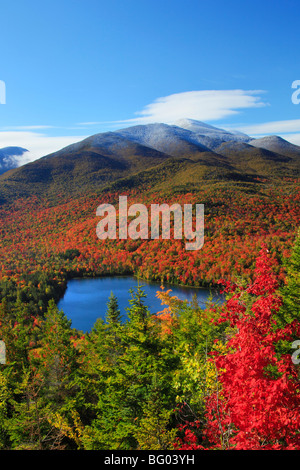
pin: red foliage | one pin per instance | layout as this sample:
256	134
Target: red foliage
258	402
33	232
189	440
258	405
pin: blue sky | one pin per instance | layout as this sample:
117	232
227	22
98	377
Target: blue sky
73	68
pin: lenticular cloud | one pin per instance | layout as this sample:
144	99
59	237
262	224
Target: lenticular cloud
199	105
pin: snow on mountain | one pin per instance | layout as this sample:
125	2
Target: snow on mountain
199	127
276	144
211	136
172	140
185	138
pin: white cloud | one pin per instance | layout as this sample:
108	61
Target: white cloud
273	127
203	105
293	138
37	144
25	128
91	123
288	129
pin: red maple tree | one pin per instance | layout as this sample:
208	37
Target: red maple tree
257	402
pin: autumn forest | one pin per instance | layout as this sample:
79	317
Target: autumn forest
188	377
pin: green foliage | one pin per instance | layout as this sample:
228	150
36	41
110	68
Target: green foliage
290	309
154	431
131	362
113	314
289	312
195	332
56	356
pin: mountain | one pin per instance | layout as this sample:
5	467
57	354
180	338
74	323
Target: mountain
93	162
173	140
210	136
277	144
9	158
185	155
186	136
202	128
256	160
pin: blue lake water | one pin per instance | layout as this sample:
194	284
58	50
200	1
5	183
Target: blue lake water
85	300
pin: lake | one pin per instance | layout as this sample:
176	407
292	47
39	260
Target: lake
85	300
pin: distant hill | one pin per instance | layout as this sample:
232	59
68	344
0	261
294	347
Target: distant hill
156	155
91	163
8	158
277	144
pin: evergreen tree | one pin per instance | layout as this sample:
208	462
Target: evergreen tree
56	355
127	380
19	331
113	314
27	420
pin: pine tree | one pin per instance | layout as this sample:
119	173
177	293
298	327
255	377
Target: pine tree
28	426
17	330
57	354
124	386
113	314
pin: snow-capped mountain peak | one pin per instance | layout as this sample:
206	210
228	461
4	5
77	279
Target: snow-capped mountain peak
199	127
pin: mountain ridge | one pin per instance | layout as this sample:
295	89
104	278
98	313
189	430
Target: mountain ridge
136	153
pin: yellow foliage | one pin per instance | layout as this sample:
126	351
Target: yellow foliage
152	432
74	431
4	392
197	378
